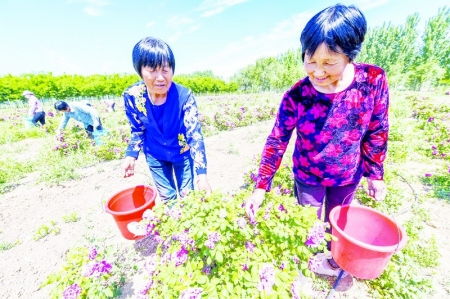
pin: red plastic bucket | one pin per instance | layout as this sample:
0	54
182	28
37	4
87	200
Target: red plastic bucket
128	205
366	240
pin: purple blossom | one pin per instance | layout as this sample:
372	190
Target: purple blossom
191	293
286	191
253	176
180	257
266	278
244	267
207	269
144	290
72	291
282	208
316	235
184	239
241	222
97	269
295	259
50	114
175	213
249	246
93	253
213	238
428	175
430	119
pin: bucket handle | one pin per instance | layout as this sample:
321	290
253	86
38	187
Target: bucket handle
103	196
399	231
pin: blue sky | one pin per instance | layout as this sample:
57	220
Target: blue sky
97	36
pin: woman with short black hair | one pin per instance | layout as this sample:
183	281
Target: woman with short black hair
340	113
164	124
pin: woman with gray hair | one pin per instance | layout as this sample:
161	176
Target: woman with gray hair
36	111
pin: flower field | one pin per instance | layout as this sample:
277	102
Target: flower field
56	241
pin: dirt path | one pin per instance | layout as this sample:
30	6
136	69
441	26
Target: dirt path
31	205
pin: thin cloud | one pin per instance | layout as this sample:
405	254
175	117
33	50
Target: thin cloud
92	8
150	24
235	55
180	26
212	7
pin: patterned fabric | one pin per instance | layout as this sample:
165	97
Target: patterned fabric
180	133
82	113
35	106
340	136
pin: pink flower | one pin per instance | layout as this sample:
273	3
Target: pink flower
192	293
97	269
92	253
249	246
213	238
72	291
180	257
241	222
266	278
146	288
316	235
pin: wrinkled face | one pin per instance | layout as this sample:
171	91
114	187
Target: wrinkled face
325	68
157	80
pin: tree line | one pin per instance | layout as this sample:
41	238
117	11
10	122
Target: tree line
412	59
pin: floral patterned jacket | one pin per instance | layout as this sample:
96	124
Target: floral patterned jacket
180	133
340	136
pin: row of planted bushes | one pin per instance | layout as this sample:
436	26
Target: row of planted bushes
70	86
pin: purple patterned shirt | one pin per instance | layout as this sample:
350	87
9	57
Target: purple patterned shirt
341	136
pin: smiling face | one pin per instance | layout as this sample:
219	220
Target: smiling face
328	71
158	81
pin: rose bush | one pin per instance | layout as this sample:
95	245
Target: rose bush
89	273
207	247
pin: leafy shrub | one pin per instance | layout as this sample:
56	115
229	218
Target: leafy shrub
88	273
206	245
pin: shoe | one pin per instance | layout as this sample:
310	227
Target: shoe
319	264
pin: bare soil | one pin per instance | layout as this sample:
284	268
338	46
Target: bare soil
30	205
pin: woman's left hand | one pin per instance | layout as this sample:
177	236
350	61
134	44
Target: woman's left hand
377	189
203	184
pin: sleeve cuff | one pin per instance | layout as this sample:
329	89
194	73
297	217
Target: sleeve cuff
263	185
133	154
200	171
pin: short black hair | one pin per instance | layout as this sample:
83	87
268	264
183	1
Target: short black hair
152	52
61	105
342	28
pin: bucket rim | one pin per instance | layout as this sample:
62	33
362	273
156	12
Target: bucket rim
144	206
387	249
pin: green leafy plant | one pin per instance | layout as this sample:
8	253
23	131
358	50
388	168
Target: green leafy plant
8	245
44	230
88	273
72	217
207	245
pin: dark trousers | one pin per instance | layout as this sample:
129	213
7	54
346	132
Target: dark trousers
319	196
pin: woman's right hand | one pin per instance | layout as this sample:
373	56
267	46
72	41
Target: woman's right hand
128	166
253	203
